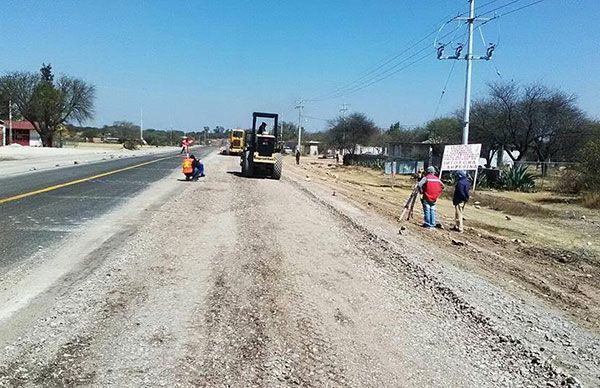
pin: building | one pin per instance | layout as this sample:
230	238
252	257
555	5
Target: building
408	158
314	147
23	133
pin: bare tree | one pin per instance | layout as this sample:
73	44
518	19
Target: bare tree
348	132
46	103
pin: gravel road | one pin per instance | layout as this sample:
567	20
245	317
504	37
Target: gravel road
255	282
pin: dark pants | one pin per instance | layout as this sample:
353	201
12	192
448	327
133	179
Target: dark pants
198	172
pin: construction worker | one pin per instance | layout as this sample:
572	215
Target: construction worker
262	130
198	167
431	187
184	145
460	198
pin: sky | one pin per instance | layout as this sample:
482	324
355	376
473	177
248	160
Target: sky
190	64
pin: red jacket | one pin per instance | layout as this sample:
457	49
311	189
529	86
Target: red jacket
432	188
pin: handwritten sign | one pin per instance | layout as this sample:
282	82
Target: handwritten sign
461	157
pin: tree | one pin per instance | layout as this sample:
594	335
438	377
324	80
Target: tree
527	119
559	123
123	130
484	121
48	103
289	131
347	133
398	134
445	130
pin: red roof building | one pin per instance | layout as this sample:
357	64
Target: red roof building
23	133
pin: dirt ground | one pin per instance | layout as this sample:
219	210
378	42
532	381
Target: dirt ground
545	243
255	282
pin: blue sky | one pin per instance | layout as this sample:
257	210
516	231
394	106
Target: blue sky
188	64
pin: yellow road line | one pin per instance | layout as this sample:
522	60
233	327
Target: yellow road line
77	181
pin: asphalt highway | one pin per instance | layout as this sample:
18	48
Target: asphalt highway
41	208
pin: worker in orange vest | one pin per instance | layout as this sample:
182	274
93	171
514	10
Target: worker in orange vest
187	167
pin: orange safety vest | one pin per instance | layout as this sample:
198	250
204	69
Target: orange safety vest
188	165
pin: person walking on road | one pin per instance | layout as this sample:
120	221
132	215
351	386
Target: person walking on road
431	187
460	198
297	156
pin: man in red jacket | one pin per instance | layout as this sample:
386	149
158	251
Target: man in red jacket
431	187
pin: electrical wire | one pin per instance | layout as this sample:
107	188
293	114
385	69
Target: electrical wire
512	10
390	71
500	7
314	118
444	89
374	70
382	71
362	78
361	87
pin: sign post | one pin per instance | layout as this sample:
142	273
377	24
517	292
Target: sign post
461	157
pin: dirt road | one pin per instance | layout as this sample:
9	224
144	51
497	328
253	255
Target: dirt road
255	282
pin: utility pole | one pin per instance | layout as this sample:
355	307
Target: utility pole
471	21
469	57
9	122
343	110
300	106
142	125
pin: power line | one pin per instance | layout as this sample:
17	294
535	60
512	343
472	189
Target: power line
444	90
382	74
512	10
363	79
390	60
500	7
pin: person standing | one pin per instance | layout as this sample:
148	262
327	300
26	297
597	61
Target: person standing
297	156
431	187
460	198
184	145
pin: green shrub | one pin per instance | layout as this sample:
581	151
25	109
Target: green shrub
517	178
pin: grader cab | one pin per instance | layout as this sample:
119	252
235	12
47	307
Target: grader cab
262	151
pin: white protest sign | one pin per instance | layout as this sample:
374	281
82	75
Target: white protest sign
461	157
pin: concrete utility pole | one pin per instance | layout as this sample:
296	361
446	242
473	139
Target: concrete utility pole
343	110
300	106
142	125
469	57
9	122
470	21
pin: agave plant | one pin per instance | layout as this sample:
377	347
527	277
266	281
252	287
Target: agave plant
517	178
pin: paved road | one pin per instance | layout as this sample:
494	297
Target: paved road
45	218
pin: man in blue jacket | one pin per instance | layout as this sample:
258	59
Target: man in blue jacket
460	198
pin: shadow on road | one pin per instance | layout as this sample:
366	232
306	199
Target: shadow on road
239	174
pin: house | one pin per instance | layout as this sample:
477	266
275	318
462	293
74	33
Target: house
408	158
20	132
367	150
313	147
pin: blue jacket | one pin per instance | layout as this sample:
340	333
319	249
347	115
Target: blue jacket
461	191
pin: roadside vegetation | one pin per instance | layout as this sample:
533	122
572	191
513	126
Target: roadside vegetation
550	142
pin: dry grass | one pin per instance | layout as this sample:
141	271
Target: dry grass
591	200
512	207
